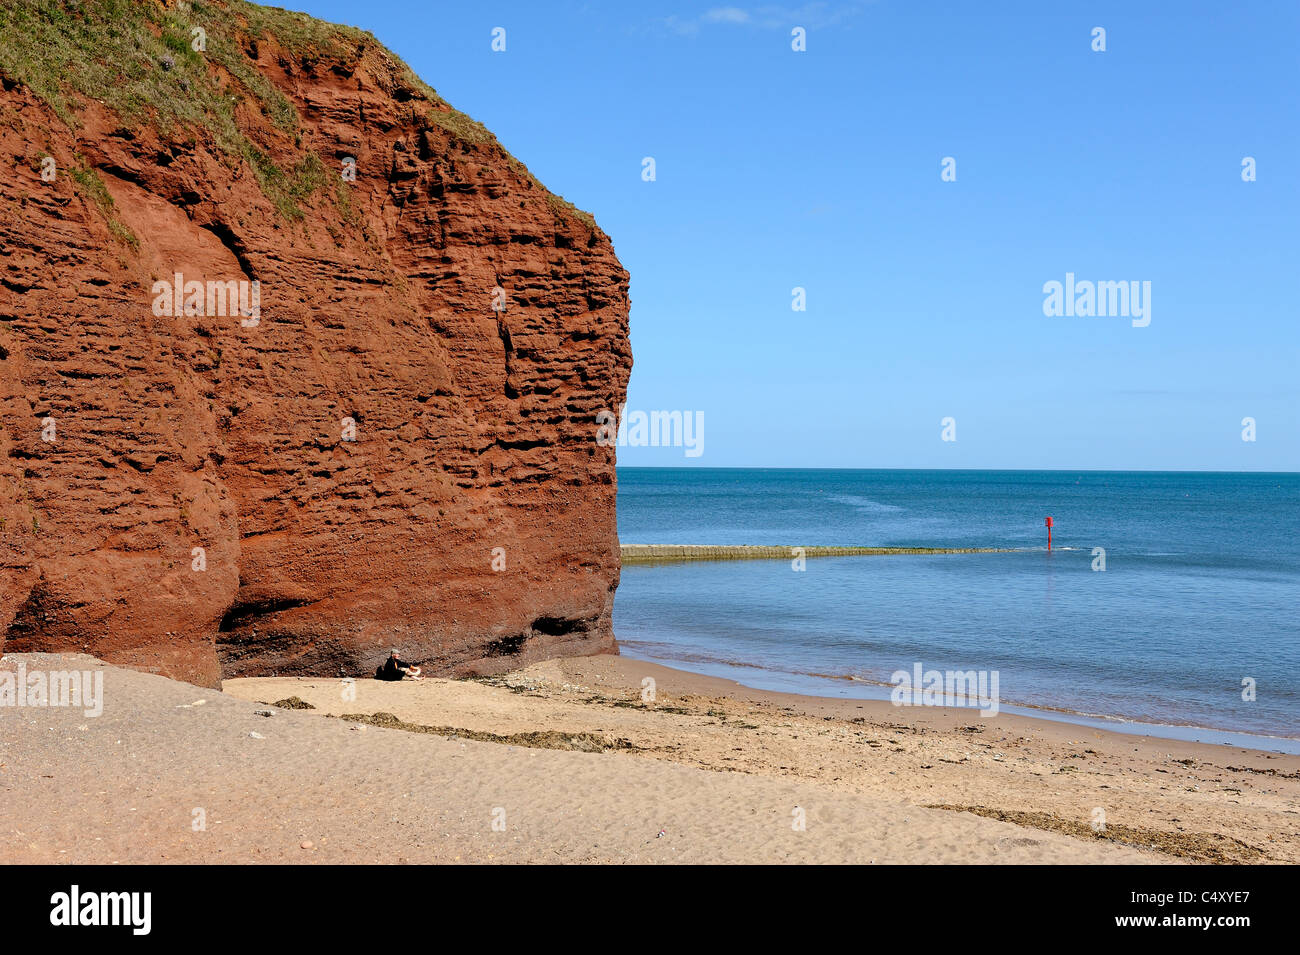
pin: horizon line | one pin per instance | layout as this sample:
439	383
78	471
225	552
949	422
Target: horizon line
766	467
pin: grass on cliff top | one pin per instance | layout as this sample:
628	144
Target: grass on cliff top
137	57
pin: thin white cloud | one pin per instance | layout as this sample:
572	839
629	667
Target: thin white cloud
812	16
726	15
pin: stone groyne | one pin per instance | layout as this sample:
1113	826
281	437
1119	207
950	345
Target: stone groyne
676	553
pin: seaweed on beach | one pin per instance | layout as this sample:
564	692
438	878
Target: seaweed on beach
1266	771
293	703
1208	847
520	689
639	704
535	739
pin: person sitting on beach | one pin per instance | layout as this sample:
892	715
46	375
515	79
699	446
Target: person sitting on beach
395	668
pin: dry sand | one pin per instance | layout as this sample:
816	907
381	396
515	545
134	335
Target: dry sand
574	767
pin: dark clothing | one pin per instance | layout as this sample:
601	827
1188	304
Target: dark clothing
393	669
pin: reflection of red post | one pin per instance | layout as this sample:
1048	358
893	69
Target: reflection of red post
1048	522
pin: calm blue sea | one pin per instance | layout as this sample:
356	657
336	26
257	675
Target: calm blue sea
1201	587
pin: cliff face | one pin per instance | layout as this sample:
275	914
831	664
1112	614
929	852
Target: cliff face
393	445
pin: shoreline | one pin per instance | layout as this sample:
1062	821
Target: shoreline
1186	732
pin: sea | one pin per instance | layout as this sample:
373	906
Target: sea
1169	603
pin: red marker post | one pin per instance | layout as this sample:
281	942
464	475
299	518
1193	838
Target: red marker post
1048	522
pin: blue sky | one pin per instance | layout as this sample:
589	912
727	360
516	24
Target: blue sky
820	169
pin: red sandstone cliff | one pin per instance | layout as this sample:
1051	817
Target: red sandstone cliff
474	428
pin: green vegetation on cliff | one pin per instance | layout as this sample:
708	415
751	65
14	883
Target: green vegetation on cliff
189	67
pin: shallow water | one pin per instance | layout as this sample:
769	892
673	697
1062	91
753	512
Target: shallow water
1201	587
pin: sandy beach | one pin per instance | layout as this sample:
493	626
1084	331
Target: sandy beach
563	761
